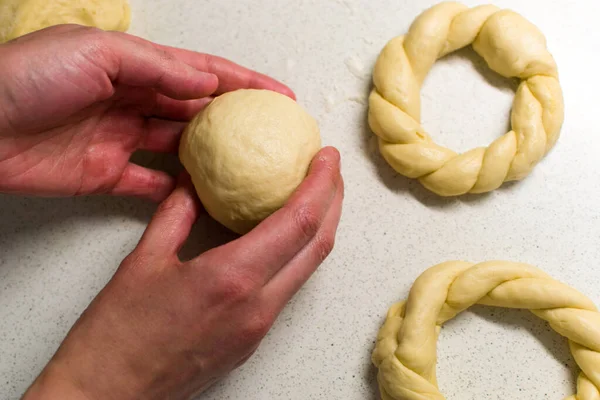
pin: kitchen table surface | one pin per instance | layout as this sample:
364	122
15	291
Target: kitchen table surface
56	254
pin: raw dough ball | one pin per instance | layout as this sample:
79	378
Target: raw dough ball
247	152
20	17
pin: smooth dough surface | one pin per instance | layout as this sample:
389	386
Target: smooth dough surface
20	17
514	48
246	153
406	349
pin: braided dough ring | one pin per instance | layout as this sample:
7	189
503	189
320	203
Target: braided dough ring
512	47
406	344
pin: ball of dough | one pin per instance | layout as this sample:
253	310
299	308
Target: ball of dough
20	17
246	153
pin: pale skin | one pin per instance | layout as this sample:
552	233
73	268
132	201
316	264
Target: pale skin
75	103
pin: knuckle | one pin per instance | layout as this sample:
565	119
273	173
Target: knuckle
167	61
307	220
236	289
99	47
95	36
169	206
133	262
257	327
95	32
88	30
165	56
133	258
324	245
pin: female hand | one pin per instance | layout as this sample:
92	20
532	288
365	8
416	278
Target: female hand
164	329
76	102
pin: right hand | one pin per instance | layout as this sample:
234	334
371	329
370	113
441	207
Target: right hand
166	329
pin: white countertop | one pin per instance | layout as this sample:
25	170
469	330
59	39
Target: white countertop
55	255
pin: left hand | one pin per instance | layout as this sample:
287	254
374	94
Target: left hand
76	102
167	329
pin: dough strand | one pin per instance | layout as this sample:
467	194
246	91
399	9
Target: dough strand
512	47
406	349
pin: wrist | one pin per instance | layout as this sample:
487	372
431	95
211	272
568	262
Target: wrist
52	384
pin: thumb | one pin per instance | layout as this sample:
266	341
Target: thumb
171	224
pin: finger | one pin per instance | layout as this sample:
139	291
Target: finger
178	110
140	63
171	224
142	182
231	75
263	251
161	135
282	287
153	104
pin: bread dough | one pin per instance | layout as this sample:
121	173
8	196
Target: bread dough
406	344
511	46
247	152
20	17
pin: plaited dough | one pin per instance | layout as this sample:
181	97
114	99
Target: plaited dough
20	17
407	343
511	46
246	153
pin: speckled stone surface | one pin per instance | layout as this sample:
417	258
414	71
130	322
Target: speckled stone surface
55	255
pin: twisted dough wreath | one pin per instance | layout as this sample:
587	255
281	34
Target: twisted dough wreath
511	46
406	344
